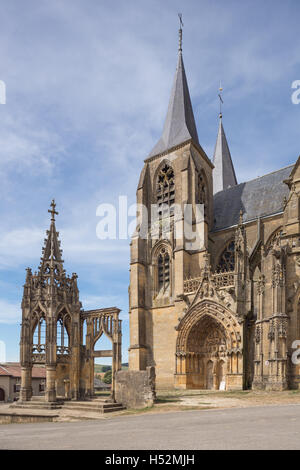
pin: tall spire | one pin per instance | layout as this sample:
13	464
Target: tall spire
51	258
180	124
223	173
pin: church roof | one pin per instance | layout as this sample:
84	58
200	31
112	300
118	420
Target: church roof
256	198
180	124
223	173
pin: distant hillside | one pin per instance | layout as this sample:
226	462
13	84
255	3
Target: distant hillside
99	367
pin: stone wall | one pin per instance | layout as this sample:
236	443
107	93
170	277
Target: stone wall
135	388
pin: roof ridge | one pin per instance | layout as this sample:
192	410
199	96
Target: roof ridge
253	179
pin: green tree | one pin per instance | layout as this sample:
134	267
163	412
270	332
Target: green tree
106	368
107	377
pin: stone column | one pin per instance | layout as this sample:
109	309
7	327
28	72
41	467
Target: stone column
50	383
26	388
67	389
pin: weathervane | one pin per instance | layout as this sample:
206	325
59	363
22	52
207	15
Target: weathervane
180	31
221	99
52	210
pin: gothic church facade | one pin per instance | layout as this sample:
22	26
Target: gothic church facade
225	314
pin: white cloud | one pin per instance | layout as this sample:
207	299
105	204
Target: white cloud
10	312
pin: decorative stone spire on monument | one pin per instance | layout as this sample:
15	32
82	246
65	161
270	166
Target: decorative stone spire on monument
51	260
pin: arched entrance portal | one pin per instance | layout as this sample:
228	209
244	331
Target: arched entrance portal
2	394
209	349
206	348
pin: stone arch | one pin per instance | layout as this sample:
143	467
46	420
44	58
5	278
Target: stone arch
99	334
209	332
221	314
157	247
164	162
272	238
61	309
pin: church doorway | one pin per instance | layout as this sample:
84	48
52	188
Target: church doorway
206	351
209	349
2	394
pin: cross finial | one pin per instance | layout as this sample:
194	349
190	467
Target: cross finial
221	99
52	211
180	31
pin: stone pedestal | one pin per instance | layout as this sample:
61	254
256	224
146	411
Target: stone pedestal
234	382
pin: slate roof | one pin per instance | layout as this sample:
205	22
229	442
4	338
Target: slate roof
180	124
256	198
15	371
223	173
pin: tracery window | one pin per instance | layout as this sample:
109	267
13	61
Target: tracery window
39	335
62	336
226	261
163	269
274	240
165	190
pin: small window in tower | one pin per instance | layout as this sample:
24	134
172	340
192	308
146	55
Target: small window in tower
163	269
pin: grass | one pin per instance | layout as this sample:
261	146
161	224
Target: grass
103	394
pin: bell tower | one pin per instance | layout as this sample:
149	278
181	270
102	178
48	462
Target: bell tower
171	243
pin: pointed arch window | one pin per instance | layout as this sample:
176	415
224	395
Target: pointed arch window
163	269
227	259
39	333
165	191
62	334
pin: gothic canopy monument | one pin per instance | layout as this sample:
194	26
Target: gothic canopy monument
58	334
224	314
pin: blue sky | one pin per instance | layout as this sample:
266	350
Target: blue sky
88	84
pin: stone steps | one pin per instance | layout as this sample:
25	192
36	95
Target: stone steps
93	406
34	405
98	406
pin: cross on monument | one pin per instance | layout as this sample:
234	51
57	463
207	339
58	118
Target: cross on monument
52	211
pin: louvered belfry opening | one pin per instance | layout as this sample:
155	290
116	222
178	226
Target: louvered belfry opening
163	269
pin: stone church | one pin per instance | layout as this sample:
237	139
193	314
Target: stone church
225	314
